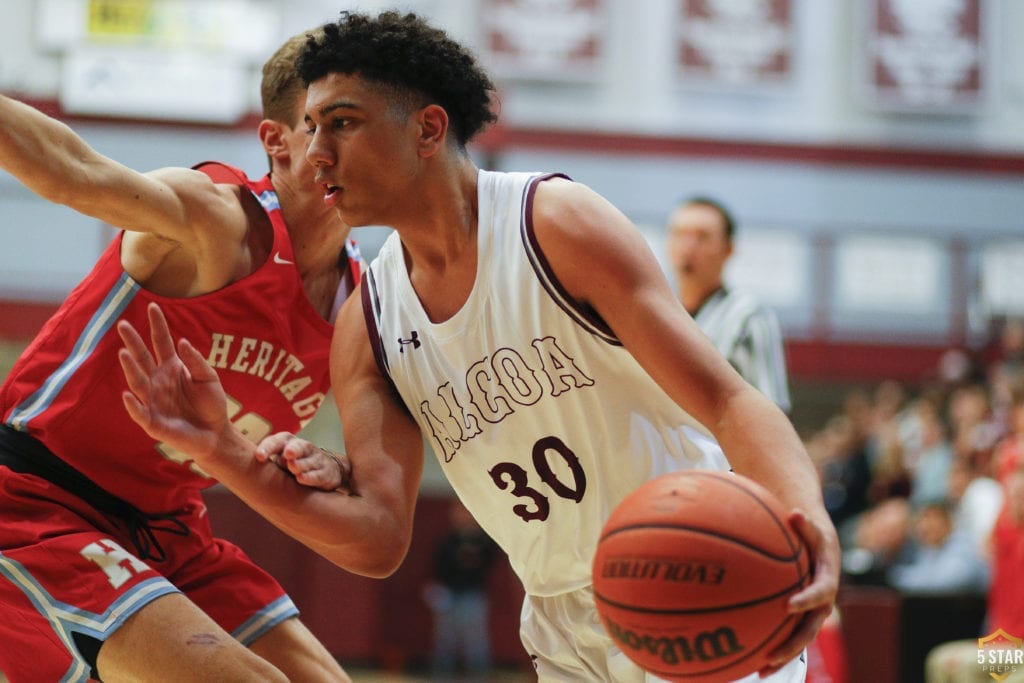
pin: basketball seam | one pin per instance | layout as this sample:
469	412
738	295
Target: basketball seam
708	532
702	610
735	484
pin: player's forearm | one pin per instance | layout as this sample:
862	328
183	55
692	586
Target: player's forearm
360	533
761	443
39	150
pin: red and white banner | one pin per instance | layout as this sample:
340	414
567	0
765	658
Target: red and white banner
544	39
924	55
735	42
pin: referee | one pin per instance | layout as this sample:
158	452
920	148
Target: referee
700	241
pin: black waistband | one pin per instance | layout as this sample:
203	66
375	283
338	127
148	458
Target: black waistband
25	454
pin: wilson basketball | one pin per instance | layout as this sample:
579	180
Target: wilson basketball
693	572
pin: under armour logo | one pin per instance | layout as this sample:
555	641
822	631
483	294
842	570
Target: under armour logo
414	339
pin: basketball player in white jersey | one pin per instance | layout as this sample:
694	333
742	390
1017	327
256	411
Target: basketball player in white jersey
747	333
521	324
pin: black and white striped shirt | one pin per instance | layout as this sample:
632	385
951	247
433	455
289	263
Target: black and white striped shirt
748	335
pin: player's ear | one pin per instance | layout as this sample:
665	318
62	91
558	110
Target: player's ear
433	129
272	136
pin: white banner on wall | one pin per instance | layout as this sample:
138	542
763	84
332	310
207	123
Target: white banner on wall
158	59
890	274
236	27
1002	278
154	84
774	265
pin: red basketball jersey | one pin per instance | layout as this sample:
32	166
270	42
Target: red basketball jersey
266	341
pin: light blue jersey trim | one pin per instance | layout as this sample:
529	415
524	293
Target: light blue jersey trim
67	619
109	311
268	200
266	619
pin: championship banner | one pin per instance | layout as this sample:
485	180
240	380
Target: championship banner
553	40
924	55
738	43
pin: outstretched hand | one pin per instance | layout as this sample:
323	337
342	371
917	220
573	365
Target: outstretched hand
173	394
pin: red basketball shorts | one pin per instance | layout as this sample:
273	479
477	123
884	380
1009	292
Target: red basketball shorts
69	578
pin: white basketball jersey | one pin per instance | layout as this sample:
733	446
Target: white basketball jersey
540	419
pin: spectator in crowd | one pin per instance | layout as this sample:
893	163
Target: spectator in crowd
882	444
957	661
977	499
457	596
879	538
889	475
1009	452
974	428
942	559
700	242
845	472
929	454
1007	368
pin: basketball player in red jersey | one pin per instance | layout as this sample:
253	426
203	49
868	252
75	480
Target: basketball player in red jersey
108	569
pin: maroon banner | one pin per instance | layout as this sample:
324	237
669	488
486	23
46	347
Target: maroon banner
741	42
544	39
924	56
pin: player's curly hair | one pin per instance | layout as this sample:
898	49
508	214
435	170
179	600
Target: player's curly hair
406	55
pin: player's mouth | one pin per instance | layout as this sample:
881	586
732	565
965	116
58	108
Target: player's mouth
331	194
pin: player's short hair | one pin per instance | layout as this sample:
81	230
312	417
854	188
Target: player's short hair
415	63
281	84
727	219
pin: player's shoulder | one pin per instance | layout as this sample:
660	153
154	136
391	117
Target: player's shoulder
194	183
219	172
561	201
211	215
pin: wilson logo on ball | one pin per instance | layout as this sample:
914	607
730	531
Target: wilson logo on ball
706	646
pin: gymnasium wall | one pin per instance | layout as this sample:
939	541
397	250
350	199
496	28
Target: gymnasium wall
863	220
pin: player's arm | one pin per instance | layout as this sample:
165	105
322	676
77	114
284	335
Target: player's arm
177	398
382	441
181	206
582	234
